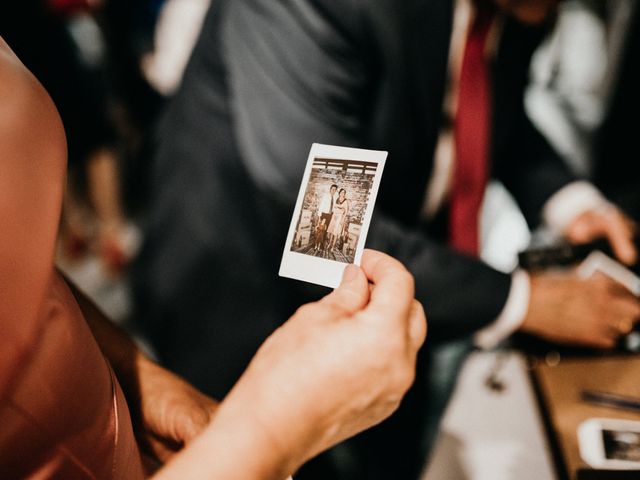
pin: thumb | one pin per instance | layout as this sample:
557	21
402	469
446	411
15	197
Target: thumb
352	294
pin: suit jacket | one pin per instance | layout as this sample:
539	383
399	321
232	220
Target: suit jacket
266	80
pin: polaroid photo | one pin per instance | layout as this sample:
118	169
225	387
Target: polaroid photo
332	214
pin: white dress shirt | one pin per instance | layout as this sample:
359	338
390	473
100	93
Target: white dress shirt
326	203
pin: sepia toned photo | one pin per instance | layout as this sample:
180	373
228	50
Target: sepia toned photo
333	212
333	209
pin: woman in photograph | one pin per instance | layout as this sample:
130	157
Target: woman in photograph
340	213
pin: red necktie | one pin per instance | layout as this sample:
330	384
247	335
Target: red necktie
472	137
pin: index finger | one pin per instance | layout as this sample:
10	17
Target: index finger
393	286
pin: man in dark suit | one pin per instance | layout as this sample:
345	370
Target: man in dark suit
267	79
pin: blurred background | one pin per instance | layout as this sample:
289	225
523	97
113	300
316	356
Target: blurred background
110	67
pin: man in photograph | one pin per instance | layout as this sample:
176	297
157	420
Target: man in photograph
325	207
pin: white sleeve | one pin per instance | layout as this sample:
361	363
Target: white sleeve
571	201
512	314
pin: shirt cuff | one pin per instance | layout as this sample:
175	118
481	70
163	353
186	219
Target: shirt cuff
569	202
512	314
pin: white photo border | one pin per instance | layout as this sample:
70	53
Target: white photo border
322	271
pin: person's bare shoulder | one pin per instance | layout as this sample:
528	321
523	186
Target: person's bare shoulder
30	127
32	179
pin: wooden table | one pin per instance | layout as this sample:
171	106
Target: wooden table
559	390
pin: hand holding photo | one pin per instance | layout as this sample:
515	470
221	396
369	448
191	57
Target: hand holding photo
332	214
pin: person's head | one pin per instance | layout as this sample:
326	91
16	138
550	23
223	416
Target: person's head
342	194
528	11
333	189
323	221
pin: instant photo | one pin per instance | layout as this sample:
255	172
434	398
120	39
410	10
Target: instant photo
332	214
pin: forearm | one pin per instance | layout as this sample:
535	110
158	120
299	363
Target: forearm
244	440
231	448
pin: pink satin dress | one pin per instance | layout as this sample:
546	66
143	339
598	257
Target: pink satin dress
62	412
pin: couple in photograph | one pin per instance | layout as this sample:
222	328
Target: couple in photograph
333	211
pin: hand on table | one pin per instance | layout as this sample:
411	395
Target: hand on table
591	312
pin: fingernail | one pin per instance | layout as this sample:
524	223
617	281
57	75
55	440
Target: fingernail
350	273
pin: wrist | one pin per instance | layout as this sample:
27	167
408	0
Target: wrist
542	290
512	315
276	430
275	423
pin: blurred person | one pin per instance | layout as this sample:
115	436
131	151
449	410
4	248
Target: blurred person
72	69
615	167
440	88
582	92
128	28
173	43
568	72
74	390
